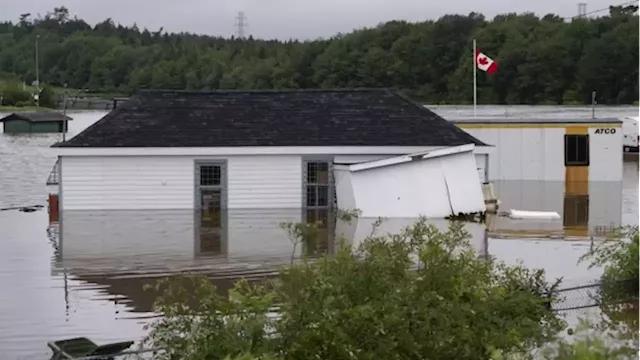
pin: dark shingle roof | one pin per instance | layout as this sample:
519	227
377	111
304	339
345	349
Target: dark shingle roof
41	116
355	117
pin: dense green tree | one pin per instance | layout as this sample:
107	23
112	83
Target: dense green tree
541	60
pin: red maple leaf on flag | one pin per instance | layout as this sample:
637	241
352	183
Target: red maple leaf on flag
485	63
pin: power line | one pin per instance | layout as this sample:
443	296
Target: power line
601	10
241	23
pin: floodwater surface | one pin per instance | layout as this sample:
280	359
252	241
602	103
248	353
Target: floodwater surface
86	279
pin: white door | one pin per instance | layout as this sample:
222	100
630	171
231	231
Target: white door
481	165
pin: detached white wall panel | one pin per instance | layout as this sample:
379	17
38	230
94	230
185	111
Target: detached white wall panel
434	184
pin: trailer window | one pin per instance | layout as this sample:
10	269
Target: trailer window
576	150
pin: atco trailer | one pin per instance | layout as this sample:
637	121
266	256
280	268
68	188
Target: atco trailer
630	132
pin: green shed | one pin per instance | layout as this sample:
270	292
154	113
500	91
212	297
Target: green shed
35	122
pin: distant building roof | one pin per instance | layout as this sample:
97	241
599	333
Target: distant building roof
344	117
41	116
524	120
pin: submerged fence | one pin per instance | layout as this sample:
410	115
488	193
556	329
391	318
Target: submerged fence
590	295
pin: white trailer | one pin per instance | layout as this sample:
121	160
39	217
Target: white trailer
630	132
570	166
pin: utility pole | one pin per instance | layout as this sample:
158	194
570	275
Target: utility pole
241	23
582	10
37	96
64	114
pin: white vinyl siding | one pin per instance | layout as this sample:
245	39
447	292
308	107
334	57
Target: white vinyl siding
119	183
265	182
167	182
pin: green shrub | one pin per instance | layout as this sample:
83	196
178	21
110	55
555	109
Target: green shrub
420	294
619	291
47	97
24	103
12	96
588	344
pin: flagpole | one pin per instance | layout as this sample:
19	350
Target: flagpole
475	84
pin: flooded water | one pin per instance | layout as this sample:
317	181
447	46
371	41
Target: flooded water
86	278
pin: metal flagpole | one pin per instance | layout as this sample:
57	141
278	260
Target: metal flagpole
475	84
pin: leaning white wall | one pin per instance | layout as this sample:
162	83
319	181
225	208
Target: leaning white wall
431	187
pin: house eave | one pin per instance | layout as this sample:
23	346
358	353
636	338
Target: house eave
416	156
249	150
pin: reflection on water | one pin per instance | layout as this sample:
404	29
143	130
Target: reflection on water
112	248
170	240
591	210
92	286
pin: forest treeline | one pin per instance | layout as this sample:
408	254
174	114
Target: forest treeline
548	60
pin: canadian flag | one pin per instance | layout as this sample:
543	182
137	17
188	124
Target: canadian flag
485	63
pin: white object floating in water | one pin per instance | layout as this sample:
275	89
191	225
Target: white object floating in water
538	215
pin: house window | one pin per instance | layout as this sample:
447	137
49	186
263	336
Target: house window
210	175
318	189
576	150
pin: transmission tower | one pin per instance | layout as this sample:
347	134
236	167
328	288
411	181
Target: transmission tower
582	10
241	23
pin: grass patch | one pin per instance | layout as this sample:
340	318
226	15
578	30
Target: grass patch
12	109
58	90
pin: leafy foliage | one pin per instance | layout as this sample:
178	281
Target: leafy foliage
14	93
588	344
619	294
420	294
542	60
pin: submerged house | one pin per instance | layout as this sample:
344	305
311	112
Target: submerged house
35	122
243	152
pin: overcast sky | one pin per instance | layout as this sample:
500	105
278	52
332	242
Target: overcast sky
282	19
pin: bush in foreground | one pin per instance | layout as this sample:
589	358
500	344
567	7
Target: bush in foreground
619	292
421	294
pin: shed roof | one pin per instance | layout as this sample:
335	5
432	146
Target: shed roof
40	116
560	120
342	117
